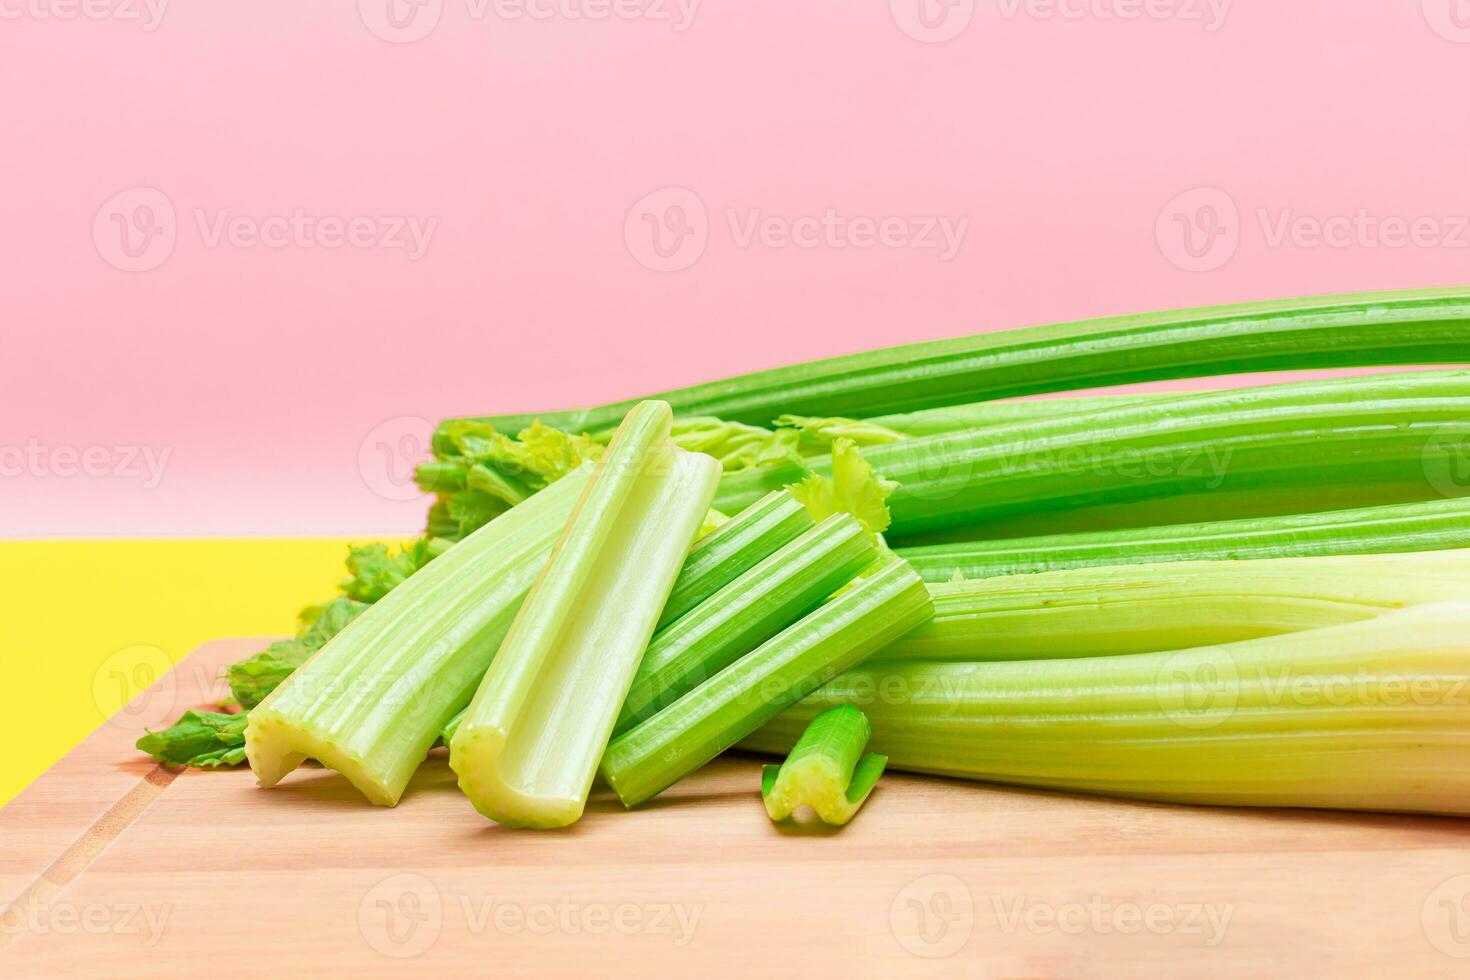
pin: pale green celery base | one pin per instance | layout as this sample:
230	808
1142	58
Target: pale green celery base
279	748
1087	612
1276	722
530	762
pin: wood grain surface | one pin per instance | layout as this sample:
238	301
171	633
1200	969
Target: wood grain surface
113	867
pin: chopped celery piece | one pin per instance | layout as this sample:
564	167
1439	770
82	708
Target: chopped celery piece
863	618
1110	610
733	548
744	614
1367	716
826	769
1417	526
371	702
1428	326
527	749
1365	430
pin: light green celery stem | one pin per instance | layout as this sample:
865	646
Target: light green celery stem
1419	526
744	614
826	769
845	630
1422	327
978	415
1372	715
734	547
1111	610
527	749
1403	427
371	702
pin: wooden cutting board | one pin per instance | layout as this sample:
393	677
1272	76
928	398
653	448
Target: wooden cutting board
112	866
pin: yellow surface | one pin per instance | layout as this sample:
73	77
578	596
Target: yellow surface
89	624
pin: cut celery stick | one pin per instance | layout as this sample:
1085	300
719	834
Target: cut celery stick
1373	715
745	613
1418	526
866	616
1122	609
371	702
826	769
733	548
527	749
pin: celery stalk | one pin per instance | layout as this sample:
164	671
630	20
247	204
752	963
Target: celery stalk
735	547
528	747
371	702
866	616
826	769
1430	326
1369	715
745	613
1111	610
1403	427
1417	526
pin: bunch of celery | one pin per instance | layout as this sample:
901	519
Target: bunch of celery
1372	715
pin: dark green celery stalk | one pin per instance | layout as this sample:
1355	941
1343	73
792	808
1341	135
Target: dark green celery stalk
745	613
867	616
1429	525
1423	327
1384	429
734	547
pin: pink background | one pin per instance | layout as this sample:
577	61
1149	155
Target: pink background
284	382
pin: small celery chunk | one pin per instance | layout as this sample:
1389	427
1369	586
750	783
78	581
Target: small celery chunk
826	769
527	749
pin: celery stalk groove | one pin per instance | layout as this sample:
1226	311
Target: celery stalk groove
826	769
